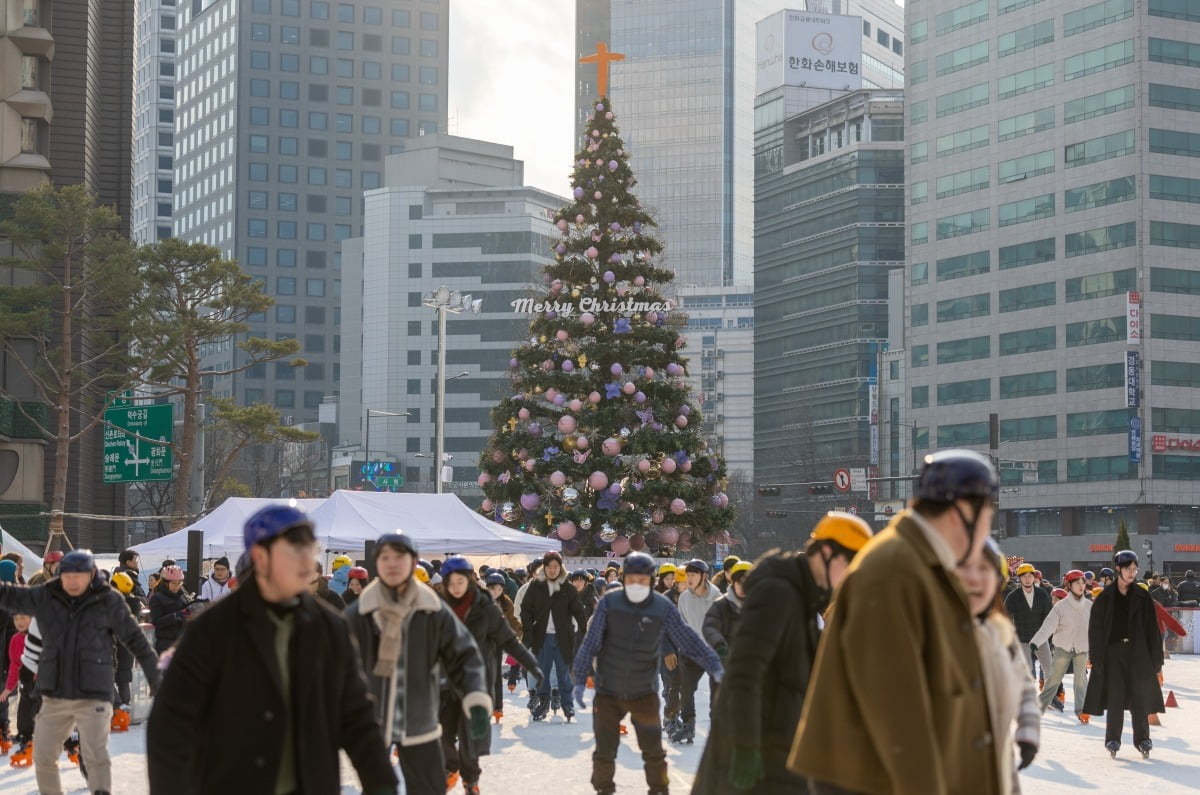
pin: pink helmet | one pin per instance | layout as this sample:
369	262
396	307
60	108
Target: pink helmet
172	574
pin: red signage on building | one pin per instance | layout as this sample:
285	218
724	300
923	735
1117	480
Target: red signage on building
1100	548
1160	443
1187	547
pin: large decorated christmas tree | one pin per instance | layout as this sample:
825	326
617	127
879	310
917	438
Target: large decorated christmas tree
600	442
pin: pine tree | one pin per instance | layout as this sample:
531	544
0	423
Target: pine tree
1122	541
600	442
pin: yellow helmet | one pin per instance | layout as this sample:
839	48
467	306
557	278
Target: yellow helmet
740	569
843	528
1143	585
680	575
420	573
665	569
123	582
1025	568
340	561
1097	591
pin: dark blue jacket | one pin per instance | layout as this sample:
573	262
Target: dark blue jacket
625	639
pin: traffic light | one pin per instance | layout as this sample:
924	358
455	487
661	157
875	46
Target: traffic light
768	491
820	489
777	514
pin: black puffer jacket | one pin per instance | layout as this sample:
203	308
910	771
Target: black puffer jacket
77	637
558	599
167	614
721	621
1028	620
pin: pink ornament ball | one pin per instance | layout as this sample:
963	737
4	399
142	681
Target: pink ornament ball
649	373
598	195
523	414
640	281
594	397
599	161
629	388
561	335
608	115
581	443
678	506
668	466
566	530
575	405
557	478
587	318
550	393
669	535
610	446
592	252
483	479
681	421
529	468
620	545
724	499
658	517
686	466
612	165
643	465
598	480
530	501
567	424
579	218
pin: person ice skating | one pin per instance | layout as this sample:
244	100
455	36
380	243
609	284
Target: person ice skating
49	568
877	714
1011	692
340	568
623	645
408	638
1107	576
168	609
723	617
1189	590
549	613
694	602
1127	655
130	563
21	679
318	586
265	689
1028	607
666	579
357	579
79	617
123	679
217	586
1068	625
767	672
474	607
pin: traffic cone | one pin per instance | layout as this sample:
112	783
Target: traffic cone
1171	700
1153	719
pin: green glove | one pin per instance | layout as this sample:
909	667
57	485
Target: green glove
480	723
745	767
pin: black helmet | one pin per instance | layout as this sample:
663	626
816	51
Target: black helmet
1107	572
949	475
640	563
1125	557
401	541
696	565
578	574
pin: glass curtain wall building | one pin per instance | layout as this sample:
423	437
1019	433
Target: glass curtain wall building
1052	260
285	111
153	118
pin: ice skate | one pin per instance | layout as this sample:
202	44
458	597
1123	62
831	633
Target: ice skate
470	789
539	710
497	715
1144	746
555	701
451	780
534	699
1083	717
686	733
120	719
568	713
1056	705
1113	747
23	756
5	743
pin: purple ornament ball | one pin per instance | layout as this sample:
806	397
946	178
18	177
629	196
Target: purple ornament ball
685	409
600	106
568	365
578	193
615	226
609	277
616	369
612	165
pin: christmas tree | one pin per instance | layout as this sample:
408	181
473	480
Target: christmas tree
600	443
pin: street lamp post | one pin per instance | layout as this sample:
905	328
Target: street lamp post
367	431
443	300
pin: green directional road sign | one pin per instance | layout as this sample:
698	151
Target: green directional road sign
131	459
389	482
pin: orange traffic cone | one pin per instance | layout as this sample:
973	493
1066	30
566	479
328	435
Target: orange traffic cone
1171	700
1153	719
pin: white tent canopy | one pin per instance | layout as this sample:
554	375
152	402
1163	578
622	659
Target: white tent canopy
440	524
217	527
10	544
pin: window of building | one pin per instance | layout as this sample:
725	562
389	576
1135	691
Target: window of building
972	391
1030	297
1097	149
1027	341
1175	327
962	99
962	141
290	8
919	356
1174	97
1105	238
1034	121
1025	210
257	172
429	20
964	307
1101	59
260	59
1028	384
1180	53
314	288
318	65
963	265
1113	467
289	62
1175	280
260	144
399	100
427	103
963	224
1175	235
1097	376
918	152
1100	194
1101	285
370	180
882	37
164	185
964	350
260	88
285	313
259	116
285	285
919	232
897	46
1025	429
285	230
1096	332
964	181
260	31
1186	10
285	398
343	123
919	192
429	48
918	31
319	9
372	124
918	72
345	12
372	70
285	257
918	112
920	397
344	67
918	274
1175	142
318	120
256	256
401	45
1096	15
286	202
1168	420
961	17
345	40
316	175
962	434
428	75
165	139
373	15
1027	80
1025	38
918	315
165	162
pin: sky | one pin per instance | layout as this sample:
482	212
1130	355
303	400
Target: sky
511	81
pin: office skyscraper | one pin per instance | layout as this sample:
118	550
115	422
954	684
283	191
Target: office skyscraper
285	113
153	118
1052	265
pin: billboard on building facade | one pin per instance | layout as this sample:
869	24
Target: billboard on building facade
801	48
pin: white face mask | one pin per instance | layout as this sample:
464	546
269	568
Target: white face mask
637	593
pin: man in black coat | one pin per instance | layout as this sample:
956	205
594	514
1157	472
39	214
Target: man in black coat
1189	590
1127	654
548	611
265	687
79	617
1028	607
130	562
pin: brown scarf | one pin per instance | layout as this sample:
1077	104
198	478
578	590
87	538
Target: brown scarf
389	617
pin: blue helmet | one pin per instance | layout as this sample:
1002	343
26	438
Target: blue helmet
77	561
950	475
396	539
521	573
1107	572
1122	559
578	574
272	521
495	578
696	565
640	563
456	563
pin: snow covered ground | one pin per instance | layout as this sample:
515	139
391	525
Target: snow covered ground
530	756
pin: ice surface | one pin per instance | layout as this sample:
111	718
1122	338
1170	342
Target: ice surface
553	756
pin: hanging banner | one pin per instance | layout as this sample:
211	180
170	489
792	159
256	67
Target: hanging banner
1133	316
1133	379
1135	440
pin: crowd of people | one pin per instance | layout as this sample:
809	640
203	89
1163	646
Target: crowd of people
271	669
